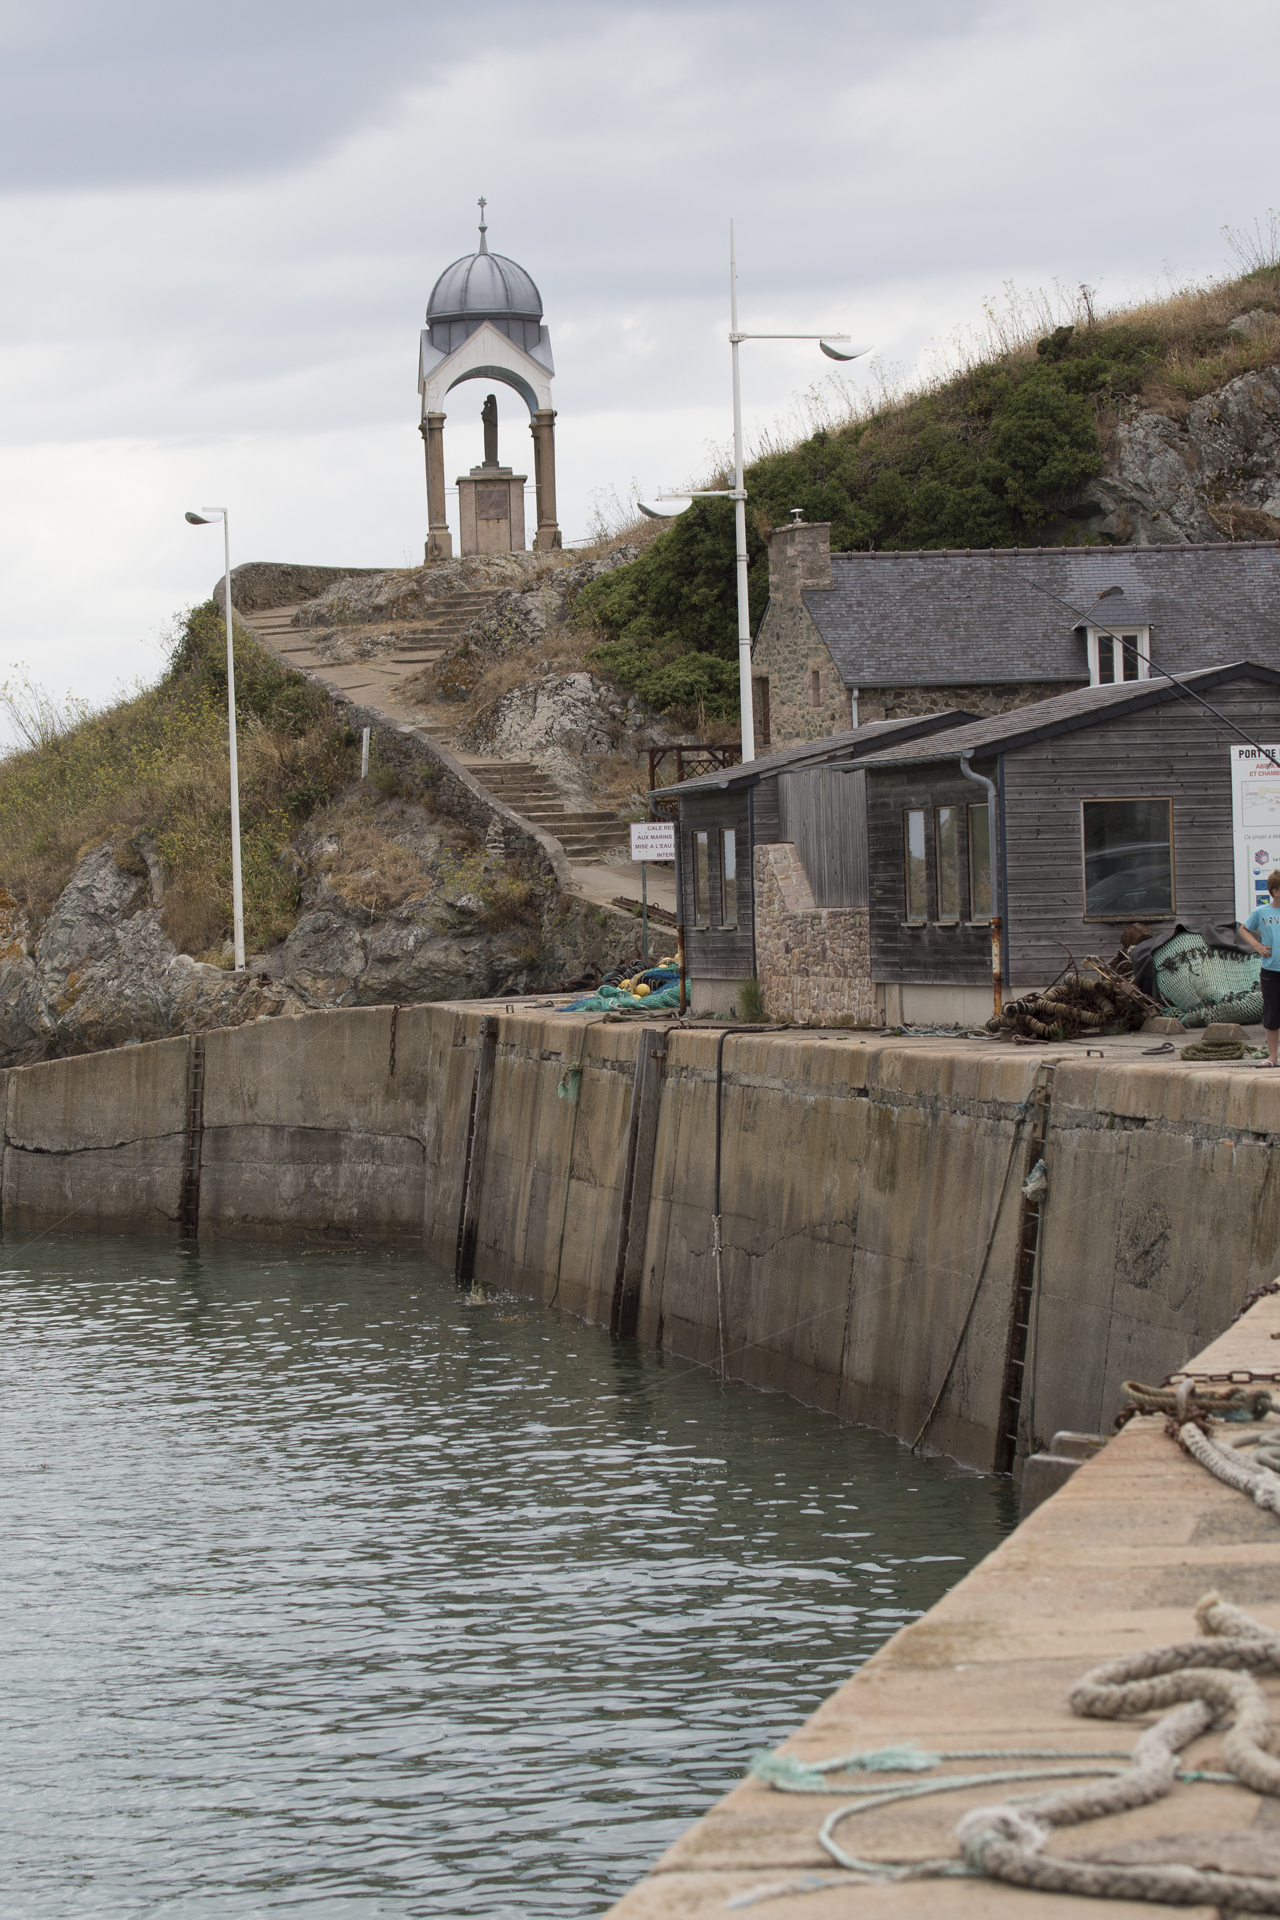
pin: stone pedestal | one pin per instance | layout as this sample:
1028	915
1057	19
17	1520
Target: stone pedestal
491	511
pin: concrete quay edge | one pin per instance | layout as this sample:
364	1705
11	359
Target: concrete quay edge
1111	1564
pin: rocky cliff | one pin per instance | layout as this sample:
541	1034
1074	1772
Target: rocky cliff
396	905
1210	472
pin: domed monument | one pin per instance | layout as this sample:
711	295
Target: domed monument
484	322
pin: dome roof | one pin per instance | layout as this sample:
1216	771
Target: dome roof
484	285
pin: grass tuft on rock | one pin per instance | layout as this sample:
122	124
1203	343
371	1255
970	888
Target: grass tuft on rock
151	773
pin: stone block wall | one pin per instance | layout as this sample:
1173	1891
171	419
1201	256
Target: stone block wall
807	698
814	962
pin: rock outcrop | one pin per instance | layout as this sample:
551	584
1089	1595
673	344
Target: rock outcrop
257	585
1214	475
564	724
397	905
103	973
521	619
407	593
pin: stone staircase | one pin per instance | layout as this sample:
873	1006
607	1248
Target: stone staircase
586	835
419	643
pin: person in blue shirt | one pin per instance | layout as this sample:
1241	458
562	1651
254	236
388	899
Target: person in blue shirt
1261	931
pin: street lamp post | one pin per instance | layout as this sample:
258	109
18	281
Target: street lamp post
836	346
209	517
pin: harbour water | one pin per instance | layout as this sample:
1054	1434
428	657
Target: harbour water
325	1586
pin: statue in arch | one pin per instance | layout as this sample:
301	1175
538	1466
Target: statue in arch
484	322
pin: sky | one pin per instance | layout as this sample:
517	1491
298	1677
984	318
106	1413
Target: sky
220	228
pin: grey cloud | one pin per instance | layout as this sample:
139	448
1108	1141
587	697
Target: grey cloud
149	91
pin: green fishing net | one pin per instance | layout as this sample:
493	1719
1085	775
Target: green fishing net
1203	983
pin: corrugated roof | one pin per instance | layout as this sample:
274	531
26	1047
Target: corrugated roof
1083	707
951	618
859	740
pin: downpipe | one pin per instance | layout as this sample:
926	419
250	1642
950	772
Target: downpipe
993	858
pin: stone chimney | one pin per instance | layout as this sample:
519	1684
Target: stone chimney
799	560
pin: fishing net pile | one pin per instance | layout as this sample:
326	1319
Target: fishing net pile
1101	998
1201	983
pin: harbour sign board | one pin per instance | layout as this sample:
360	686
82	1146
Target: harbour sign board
1255	823
654	840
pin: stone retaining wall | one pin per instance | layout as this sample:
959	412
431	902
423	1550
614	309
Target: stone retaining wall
871	1208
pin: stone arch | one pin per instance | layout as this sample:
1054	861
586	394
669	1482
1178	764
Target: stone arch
487	354
509	377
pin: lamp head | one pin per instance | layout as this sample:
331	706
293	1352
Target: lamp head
840	347
208	518
665	509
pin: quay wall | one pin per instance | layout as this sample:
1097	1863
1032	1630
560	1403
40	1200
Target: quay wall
875	1236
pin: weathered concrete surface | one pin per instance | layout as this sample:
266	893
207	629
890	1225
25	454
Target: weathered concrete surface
555	1155
859	1182
314	1125
96	1144
863	1178
1163	1212
1112	1564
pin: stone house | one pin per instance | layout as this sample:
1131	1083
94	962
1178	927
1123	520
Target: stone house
848	638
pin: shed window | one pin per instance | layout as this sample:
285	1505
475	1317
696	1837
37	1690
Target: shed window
979	863
1128	858
917	877
946	838
728	877
702	879
1117	656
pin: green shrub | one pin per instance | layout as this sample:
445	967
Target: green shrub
669	621
986	459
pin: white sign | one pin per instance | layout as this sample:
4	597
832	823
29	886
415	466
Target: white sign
1255	823
654	840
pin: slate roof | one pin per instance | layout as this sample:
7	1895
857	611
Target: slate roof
1011	614
1003	732
859	740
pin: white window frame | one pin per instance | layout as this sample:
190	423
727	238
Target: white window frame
1101	637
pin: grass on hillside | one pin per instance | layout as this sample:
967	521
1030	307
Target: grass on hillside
987	455
152	775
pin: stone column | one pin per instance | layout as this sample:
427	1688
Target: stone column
544	469
439	539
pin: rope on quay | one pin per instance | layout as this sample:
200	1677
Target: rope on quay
1193	1684
1215	1050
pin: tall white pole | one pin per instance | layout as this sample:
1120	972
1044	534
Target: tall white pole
740	524
237	889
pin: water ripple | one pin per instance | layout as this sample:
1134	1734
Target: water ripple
325	1586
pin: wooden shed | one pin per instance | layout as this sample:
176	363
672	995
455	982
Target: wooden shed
795	798
1113	804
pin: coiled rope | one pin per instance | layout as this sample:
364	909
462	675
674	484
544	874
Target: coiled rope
1006	1842
1193	1684
1214	1050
